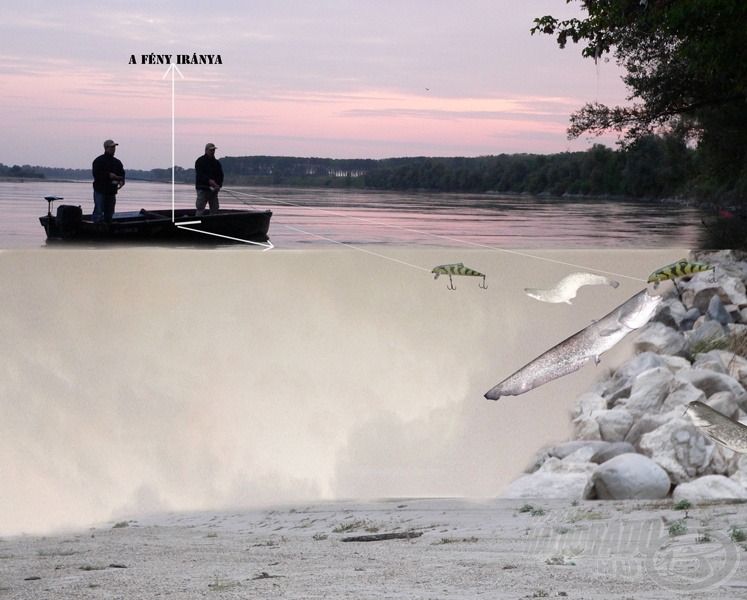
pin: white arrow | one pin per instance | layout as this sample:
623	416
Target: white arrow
174	69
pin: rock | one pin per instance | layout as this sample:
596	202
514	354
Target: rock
614	424
556	478
717	312
671	312
620	384
575	486
675	363
641	407
739	474
588	403
725	403
700	289
568	448
710	361
660	339
630	477
649	391
705	337
709	487
556	465
710	383
646	424
582	455
737	334
586	428
612	450
683	392
688	321
600	451
679	449
733	362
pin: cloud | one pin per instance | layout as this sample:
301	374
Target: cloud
309	72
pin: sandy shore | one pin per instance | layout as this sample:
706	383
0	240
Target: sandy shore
491	549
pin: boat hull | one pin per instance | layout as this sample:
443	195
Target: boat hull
227	226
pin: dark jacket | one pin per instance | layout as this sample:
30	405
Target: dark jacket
102	166
207	168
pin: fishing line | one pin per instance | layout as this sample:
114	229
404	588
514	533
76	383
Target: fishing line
445	237
357	248
326	238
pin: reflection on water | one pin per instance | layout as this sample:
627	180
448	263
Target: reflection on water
322	217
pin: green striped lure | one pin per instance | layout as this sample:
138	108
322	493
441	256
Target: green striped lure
681	268
458	269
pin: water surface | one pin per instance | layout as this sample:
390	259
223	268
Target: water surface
304	218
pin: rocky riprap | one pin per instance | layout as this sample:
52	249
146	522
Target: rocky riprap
632	439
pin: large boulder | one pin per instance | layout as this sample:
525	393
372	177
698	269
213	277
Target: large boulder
710	383
612	450
556	478
614	424
587	404
620	384
679	449
649	391
586	428
709	487
599	451
683	392
702	288
725	403
646	424
630	477
660	339
575	486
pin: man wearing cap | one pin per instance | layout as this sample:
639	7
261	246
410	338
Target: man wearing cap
208	180
108	177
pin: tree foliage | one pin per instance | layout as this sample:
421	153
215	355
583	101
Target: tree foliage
25	171
686	69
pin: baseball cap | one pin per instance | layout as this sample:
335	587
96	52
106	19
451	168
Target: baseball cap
210	147
108	143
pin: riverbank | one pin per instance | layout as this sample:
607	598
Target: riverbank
438	548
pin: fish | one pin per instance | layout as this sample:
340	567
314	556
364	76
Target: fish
574	352
718	426
567	287
681	268
457	269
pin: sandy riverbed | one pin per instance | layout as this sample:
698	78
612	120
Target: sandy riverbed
489	549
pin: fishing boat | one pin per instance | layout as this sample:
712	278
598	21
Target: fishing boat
226	226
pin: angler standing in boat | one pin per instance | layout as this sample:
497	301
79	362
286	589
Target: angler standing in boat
108	178
208	180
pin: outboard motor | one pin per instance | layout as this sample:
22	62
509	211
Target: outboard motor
68	219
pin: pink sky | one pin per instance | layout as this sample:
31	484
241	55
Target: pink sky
338	79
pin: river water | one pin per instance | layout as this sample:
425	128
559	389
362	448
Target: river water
305	218
333	366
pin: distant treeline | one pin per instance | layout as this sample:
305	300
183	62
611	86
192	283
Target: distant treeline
20	171
653	167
